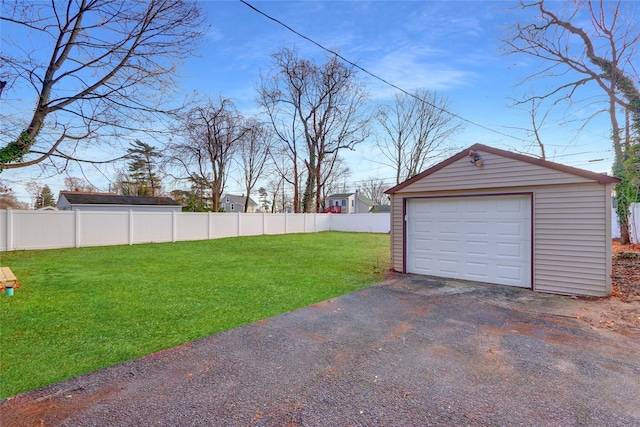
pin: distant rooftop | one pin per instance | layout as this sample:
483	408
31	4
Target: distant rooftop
78	198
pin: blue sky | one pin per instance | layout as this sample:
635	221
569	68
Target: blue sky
451	47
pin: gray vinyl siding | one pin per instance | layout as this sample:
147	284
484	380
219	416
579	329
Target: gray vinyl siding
571	218
496	172
397	230
573	239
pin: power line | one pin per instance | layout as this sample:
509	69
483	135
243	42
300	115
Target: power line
375	76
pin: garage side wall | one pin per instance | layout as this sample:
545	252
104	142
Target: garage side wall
572	239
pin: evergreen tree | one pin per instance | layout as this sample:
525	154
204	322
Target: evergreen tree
45	198
142	169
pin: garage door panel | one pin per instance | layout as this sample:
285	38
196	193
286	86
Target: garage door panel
449	266
480	248
476	228
510	229
424	245
448	247
424	226
477	272
509	275
424	264
506	251
484	238
448	227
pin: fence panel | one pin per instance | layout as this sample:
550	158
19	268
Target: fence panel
363	223
251	224
295	223
276	224
43	230
192	226
634	224
5	230
224	225
152	227
98	229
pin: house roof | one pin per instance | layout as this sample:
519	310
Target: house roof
598	177
240	199
76	198
382	208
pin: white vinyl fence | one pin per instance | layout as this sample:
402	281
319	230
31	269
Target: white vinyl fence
634	224
23	229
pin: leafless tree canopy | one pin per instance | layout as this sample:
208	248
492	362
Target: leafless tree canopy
374	188
417	130
316	111
581	43
97	68
212	132
72	183
8	199
254	154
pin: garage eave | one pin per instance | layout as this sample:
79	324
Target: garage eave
597	177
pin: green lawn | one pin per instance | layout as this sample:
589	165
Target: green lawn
79	310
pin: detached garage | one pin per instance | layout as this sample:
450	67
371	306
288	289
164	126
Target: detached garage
494	216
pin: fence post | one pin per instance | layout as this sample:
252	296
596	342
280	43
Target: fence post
239	228
264	223
286	219
130	227
9	229
209	225
76	219
174	227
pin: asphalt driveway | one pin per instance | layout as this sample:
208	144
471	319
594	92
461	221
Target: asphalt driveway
412	351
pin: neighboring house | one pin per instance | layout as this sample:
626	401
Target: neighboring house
231	203
73	201
348	203
494	216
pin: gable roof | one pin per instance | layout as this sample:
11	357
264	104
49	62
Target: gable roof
239	199
598	177
76	198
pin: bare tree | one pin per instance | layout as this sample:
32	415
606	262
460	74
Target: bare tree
284	174
584	43
374	188
417	130
98	67
316	111
212	134
8	199
334	179
254	154
538	117
72	183
600	51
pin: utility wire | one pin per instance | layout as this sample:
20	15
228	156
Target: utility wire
353	64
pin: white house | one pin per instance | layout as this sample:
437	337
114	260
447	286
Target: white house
348	203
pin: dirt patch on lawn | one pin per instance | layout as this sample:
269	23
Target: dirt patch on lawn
620	312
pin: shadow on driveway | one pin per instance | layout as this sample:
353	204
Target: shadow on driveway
411	351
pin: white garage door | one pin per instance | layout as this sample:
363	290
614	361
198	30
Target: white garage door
486	239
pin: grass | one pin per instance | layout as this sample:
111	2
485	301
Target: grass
79	310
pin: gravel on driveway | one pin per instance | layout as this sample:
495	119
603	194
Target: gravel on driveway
412	351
